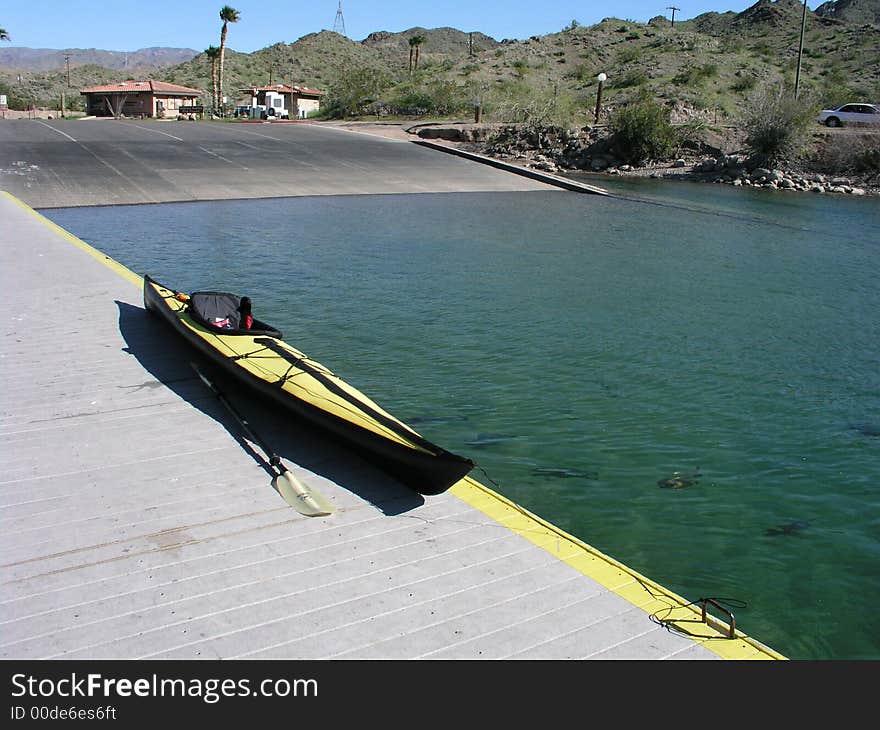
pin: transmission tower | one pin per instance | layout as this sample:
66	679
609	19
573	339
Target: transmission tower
339	23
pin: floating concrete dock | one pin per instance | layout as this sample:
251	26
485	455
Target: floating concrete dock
138	523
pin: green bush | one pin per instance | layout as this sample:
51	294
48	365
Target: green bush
516	103
353	91
642	131
628	54
777	125
436	97
635	77
521	67
695	74
867	160
744	83
14	98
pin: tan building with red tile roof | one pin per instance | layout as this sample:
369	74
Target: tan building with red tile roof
139	99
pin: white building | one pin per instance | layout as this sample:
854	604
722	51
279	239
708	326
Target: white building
293	102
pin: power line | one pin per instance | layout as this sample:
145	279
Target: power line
668	7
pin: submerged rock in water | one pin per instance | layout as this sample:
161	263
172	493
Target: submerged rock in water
483	440
680	480
867	429
791	528
564	473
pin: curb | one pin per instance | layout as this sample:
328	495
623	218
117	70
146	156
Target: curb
544	177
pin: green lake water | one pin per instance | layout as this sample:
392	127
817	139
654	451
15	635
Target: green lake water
585	351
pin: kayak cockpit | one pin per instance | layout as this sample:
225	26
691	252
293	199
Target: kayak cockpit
228	313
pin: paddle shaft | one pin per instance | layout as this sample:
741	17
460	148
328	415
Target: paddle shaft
274	459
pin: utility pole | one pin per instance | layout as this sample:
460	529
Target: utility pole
673	9
67	60
797	76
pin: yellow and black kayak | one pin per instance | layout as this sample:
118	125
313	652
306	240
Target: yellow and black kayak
257	357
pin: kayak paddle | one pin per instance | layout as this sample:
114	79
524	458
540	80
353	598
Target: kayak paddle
298	495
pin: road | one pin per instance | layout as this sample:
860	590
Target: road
64	163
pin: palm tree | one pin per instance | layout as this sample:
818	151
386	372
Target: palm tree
4	36
213	53
227	15
415	43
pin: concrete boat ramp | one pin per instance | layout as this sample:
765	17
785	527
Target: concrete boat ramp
138	523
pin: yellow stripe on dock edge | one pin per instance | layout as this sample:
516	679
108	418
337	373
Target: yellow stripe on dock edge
660	603
124	272
663	605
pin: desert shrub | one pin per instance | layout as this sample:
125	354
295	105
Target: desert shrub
353	91
628	54
777	126
834	88
581	72
436	97
14	98
695	74
732	45
692	128
854	154
635	77
642	131
744	83
515	103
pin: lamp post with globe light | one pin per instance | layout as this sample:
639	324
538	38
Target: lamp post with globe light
601	79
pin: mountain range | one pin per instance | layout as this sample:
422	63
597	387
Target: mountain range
47	59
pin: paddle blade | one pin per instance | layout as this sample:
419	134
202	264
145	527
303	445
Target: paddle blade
301	497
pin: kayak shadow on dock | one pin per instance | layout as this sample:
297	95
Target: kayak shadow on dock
168	361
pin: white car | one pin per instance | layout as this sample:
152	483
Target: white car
850	114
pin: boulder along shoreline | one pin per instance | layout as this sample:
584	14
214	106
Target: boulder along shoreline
561	152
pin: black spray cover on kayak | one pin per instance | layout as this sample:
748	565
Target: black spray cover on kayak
221	310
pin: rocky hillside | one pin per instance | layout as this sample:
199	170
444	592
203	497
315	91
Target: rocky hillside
862	12
704	66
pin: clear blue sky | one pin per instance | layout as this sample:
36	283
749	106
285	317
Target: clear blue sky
127	25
